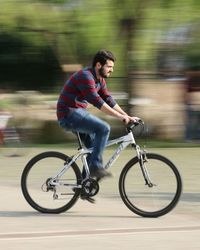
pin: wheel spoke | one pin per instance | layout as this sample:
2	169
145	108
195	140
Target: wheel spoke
150	200
45	193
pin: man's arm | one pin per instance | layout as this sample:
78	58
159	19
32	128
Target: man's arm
119	109
118	112
105	108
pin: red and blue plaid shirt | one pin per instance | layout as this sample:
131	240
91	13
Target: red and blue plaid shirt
82	88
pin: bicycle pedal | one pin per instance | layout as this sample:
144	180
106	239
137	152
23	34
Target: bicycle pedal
87	198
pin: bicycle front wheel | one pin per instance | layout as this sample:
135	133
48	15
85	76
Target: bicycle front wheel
155	200
44	195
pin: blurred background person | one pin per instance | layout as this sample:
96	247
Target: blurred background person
192	102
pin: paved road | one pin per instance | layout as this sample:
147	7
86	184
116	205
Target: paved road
108	224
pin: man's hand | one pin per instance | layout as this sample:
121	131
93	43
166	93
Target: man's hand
127	119
134	118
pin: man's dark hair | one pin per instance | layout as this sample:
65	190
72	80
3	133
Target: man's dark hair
102	56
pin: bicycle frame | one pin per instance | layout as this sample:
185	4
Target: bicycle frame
149	184
124	141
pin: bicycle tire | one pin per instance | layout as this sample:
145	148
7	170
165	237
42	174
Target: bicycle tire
30	193
167	189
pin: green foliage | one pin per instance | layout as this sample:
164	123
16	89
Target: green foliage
71	31
54	1
26	66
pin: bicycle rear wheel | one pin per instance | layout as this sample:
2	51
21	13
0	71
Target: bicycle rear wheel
38	190
153	201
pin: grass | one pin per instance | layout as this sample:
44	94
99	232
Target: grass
142	142
168	143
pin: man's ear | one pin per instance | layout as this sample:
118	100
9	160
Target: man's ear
98	65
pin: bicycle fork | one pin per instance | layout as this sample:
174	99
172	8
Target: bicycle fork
142	160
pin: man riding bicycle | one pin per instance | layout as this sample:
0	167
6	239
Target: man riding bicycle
89	86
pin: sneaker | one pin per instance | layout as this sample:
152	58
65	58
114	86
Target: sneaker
87	198
100	173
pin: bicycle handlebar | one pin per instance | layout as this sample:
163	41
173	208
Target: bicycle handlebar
133	124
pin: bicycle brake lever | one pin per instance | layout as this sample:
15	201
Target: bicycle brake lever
137	122
133	124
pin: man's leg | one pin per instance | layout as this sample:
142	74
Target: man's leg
97	133
84	122
94	133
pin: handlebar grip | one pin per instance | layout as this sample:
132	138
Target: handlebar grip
134	123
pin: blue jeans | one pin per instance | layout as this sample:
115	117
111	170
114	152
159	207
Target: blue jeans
93	131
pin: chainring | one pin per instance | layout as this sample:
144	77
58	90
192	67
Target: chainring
90	187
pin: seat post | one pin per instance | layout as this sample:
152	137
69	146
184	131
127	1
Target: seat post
79	140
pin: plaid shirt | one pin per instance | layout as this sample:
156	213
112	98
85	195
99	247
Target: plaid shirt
82	88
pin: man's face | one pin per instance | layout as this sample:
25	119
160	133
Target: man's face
107	69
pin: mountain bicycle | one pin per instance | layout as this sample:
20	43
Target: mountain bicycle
149	184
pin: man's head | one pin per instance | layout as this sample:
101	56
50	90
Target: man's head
103	62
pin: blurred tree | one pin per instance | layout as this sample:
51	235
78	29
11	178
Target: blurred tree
55	1
129	14
29	59
25	66
73	29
